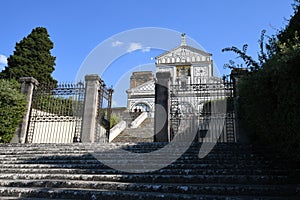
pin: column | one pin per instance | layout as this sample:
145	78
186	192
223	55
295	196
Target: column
90	108
162	107
236	75
27	88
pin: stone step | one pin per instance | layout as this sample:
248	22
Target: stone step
204	168
143	133
149	123
180	164
131	147
88	194
179	188
69	171
129	135
151	178
155	155
84	146
191	151
168	170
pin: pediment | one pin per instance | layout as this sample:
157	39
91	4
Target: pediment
148	87
183	54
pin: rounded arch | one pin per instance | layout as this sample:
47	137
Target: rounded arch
141	107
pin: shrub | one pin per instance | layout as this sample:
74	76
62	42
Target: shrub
12	108
270	103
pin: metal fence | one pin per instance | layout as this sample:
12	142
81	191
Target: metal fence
56	113
210	105
103	113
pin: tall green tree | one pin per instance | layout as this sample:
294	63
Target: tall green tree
32	57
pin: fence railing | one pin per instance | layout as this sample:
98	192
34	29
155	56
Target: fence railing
210	105
56	113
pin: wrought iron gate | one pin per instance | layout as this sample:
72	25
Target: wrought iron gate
103	113
211	105
56	113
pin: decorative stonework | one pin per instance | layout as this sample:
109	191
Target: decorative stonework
142	97
186	64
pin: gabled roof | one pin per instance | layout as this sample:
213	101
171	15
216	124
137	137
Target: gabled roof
148	87
184	47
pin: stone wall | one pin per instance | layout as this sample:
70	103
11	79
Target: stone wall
138	78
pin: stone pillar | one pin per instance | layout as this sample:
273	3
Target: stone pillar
236	75
162	107
27	87
90	108
109	111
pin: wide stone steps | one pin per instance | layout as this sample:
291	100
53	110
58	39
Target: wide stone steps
70	171
134	135
84	194
143	133
149	178
192	188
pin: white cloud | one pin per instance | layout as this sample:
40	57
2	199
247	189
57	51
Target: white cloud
3	60
134	46
117	43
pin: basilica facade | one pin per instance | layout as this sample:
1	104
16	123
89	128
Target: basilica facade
186	64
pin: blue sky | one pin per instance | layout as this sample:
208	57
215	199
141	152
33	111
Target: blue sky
77	27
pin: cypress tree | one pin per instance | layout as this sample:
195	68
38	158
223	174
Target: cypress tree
32	57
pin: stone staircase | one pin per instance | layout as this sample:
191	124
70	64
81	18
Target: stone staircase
144	133
69	171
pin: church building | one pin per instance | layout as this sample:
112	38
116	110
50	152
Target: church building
186	64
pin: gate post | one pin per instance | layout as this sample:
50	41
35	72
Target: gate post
236	74
162	107
27	87
90	108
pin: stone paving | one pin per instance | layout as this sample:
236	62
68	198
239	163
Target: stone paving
69	171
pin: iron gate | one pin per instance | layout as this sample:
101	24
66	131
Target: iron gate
211	105
56	113
103	113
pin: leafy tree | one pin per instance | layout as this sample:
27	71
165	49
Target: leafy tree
114	119
251	64
269	102
293	26
12	108
32	57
